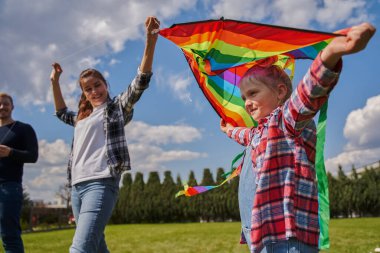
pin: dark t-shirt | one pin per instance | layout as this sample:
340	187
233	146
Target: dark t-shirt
23	141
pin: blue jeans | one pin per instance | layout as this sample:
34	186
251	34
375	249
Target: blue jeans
92	203
289	246
10	211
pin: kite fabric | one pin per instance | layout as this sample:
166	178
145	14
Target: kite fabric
194	190
219	52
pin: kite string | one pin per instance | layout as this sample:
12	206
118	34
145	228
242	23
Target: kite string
94	44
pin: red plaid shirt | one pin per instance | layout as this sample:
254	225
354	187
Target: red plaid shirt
283	155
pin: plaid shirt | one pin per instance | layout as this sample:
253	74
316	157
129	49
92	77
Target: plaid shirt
283	155
117	114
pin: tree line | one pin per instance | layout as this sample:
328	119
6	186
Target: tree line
356	194
153	201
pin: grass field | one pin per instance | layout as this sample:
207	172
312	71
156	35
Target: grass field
347	235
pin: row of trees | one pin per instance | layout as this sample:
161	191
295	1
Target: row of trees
356	195
154	201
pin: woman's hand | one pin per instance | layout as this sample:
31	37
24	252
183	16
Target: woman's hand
55	73
152	25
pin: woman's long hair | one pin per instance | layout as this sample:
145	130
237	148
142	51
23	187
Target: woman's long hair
84	107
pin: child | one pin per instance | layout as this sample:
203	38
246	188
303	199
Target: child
284	213
99	153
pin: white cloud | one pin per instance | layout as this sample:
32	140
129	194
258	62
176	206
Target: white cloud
296	13
360	125
356	158
53	153
70	34
113	62
43	178
363	145
247	10
178	84
337	12
141	132
153	158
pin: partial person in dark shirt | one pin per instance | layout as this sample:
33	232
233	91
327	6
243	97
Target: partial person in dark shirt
18	145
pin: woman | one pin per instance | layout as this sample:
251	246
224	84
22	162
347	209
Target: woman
99	153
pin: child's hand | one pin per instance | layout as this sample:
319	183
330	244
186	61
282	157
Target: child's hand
152	25
356	40
224	126
55	73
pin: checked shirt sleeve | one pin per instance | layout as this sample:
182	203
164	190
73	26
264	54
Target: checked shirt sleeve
241	135
66	116
309	96
129	97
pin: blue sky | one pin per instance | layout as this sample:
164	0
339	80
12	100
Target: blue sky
174	127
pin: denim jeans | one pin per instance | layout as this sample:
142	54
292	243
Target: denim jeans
10	211
289	246
92	203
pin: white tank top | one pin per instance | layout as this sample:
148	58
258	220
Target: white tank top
89	151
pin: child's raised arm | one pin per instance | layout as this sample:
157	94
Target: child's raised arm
356	40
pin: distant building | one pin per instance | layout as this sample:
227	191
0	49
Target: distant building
57	202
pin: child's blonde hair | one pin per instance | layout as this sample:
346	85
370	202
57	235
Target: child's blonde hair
270	75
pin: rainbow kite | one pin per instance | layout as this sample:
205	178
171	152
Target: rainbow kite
219	52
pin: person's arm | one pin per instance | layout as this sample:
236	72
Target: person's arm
314	89
141	81
151	26
59	102
355	41
29	152
241	135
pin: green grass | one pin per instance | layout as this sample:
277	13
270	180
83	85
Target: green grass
347	235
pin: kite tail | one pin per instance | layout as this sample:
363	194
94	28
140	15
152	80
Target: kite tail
190	191
323	191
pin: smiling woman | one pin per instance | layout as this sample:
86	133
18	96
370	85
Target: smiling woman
99	152
95	92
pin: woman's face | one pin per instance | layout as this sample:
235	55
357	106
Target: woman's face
95	90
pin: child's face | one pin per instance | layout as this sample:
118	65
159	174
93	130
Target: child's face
260	100
95	90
